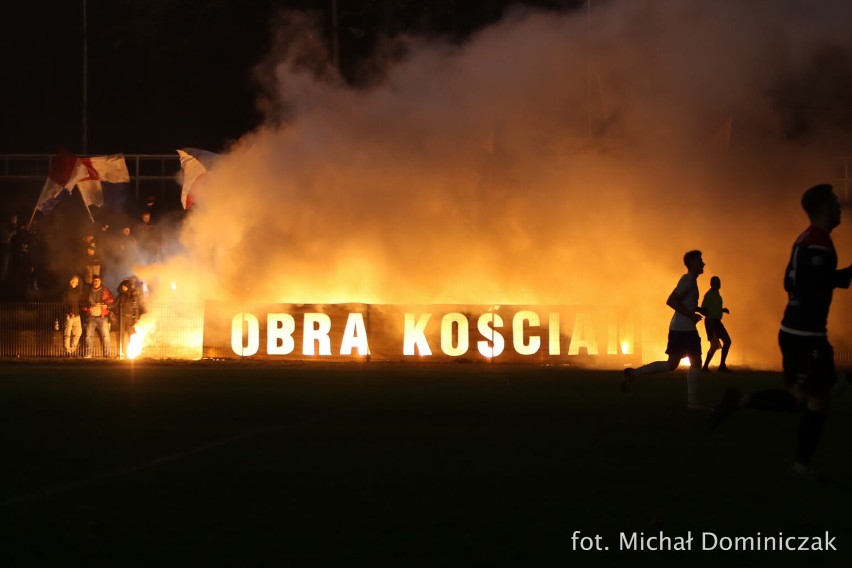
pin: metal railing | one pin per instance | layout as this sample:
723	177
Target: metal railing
168	330
144	169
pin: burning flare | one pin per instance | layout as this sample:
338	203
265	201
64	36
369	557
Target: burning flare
143	327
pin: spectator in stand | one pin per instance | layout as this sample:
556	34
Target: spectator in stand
148	238
137	287
92	265
124	254
96	306
126	243
151	205
7	231
21	264
129	310
72	299
88	241
105	240
38	272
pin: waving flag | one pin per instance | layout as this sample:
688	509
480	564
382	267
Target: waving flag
105	182
195	164
65	171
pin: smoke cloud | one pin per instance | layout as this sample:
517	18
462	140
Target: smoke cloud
551	159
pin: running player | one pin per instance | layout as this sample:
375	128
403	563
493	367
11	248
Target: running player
683	340
711	308
807	356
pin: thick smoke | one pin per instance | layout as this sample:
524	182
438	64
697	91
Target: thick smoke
551	159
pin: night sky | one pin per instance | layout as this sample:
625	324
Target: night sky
166	74
688	120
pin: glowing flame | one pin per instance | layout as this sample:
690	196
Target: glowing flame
134	346
137	341
626	348
174	285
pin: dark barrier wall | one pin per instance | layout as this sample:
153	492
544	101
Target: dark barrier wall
440	333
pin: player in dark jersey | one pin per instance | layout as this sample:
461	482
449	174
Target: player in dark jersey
717	334
807	356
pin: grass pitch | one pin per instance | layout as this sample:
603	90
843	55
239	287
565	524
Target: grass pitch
210	464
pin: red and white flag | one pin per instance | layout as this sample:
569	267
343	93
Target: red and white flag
105	175
195	164
65	171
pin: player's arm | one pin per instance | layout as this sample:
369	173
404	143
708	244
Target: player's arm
675	302
814	273
702	309
843	277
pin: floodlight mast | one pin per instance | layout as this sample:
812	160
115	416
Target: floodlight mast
84	147
335	40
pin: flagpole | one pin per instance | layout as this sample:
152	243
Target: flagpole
32	217
89	211
85	133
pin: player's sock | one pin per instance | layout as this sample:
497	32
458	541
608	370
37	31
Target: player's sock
810	430
776	400
692	385
655	367
725	349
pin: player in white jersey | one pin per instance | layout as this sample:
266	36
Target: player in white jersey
683	338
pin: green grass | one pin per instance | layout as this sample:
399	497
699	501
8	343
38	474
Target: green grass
447	465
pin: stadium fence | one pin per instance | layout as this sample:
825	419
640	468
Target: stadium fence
173	330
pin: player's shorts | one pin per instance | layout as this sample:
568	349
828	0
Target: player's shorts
808	362
716	329
684	344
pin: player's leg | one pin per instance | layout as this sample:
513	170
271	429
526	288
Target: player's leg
692	347
774	400
798	363
818	384
631	374
714	343
811	426
670	364
725	338
794	355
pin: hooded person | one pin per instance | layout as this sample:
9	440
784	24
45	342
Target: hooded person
96	306
128	309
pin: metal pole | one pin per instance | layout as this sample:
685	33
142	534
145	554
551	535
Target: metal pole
85	134
335	43
589	69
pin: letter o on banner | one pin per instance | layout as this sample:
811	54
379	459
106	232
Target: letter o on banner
460	321
253	332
